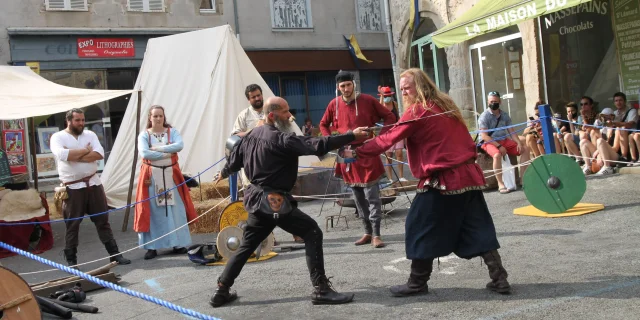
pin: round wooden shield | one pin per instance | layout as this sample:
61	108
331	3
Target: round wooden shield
16	298
232	215
554	183
229	241
267	245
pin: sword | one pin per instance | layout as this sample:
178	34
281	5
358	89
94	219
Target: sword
405	122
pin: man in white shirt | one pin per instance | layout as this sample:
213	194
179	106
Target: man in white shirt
77	152
625	118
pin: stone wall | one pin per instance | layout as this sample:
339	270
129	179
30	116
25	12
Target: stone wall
441	12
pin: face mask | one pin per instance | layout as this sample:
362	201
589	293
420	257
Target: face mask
388	99
494	106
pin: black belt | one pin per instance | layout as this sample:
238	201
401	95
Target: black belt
164	184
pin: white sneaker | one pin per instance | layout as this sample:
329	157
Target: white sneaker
605	171
587	170
403	180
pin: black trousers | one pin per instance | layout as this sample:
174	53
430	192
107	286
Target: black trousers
260	225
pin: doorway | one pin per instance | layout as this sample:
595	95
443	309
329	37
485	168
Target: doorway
497	66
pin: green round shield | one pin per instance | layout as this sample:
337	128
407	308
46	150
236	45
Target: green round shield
554	183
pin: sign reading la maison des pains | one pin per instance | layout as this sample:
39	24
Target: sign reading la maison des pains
523	12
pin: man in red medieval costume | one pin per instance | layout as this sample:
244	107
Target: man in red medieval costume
345	113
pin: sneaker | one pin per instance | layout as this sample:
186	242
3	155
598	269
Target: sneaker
623	163
587	170
605	171
403	180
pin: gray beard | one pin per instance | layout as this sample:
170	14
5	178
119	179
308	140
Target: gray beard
283	125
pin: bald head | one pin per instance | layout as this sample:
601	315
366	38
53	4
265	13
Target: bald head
275	104
277	112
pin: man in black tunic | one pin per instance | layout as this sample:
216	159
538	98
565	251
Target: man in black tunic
270	160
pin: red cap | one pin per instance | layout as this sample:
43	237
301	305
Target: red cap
386	91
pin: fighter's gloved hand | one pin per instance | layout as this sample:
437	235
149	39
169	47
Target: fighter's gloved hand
347	155
217	178
362	133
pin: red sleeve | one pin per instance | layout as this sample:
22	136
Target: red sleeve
383	113
387	139
327	119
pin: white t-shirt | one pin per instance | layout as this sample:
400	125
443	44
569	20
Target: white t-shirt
632	116
247	119
61	143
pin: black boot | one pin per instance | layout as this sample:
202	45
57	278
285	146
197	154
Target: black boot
417	283
112	248
497	273
222	296
150	254
70	256
323	293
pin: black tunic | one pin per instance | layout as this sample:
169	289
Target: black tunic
270	159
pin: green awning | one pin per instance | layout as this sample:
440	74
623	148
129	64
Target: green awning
491	15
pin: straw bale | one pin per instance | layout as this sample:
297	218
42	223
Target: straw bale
209	222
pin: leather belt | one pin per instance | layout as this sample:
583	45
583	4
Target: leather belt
85	180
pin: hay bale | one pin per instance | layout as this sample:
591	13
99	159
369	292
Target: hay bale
327	162
209	222
209	191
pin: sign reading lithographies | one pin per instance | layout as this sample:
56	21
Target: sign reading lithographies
626	25
105	48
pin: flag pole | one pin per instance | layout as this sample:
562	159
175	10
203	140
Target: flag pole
393	55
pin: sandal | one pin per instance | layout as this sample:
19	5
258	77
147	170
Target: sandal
504	190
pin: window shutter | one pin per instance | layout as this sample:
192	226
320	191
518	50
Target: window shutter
136	5
78	4
156	5
55	5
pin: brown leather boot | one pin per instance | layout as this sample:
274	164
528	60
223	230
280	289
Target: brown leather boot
497	272
377	242
366	239
417	283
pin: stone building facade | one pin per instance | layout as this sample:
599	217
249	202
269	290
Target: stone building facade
557	57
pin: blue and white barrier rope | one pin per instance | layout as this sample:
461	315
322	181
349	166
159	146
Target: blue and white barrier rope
110	285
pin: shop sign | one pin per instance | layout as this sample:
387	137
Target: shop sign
626	24
105	47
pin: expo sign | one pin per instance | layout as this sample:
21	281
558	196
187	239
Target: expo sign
105	47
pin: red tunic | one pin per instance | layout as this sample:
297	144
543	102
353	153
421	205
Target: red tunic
364	172
440	150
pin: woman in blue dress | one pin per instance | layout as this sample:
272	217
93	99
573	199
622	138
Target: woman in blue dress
159	145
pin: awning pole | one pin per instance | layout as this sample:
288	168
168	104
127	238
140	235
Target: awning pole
125	222
396	75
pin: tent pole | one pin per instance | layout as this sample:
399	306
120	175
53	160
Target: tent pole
32	147
125	222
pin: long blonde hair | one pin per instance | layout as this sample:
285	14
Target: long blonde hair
428	92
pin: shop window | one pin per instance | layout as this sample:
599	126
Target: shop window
146	5
66	5
580	55
96	116
291	14
370	16
208	6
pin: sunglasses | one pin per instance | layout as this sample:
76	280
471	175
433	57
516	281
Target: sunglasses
585	103
494	93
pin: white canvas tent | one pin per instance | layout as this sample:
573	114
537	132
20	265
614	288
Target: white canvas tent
199	78
25	94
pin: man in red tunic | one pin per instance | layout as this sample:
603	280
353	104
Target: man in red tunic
346	113
449	213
